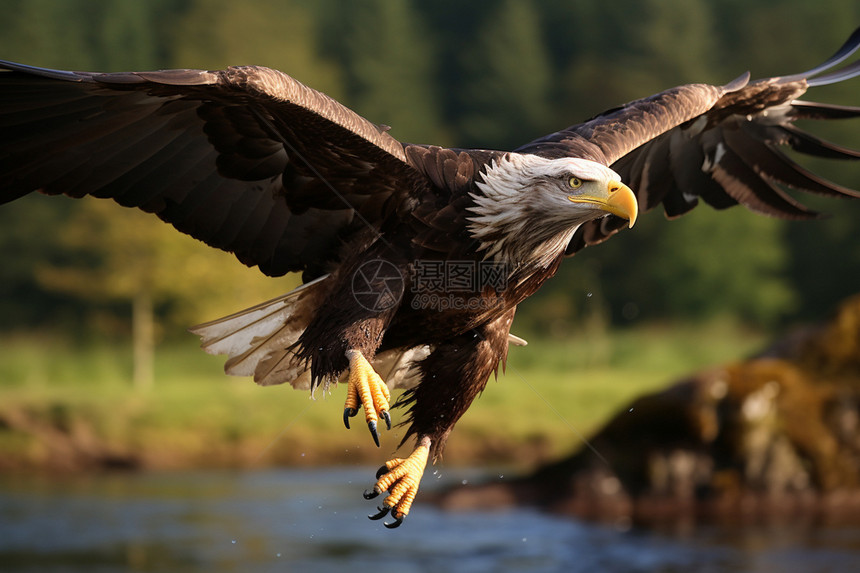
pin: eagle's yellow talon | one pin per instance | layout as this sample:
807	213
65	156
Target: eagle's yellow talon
366	388
401	482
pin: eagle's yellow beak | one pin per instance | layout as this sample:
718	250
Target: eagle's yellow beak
622	201
618	199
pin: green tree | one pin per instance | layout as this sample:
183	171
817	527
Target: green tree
125	36
214	34
46	33
387	59
709	261
27	237
507	84
614	52
125	255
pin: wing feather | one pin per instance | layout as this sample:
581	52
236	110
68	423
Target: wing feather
774	165
718	144
744	185
809	144
248	160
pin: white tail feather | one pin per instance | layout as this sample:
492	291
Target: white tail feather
258	341
398	367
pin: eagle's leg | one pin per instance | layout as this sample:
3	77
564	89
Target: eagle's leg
366	388
452	376
400	478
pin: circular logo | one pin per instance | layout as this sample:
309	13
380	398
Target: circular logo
377	285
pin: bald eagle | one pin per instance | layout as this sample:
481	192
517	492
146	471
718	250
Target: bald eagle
413	257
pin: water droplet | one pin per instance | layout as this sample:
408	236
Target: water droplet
303	454
588	295
525	539
501	476
630	410
465	482
278	555
233	542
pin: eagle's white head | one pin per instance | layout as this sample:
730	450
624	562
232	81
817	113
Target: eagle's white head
529	207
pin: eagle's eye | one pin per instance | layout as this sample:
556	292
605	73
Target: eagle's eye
575	182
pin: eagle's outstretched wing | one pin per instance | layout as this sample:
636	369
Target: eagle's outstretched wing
253	162
719	144
246	159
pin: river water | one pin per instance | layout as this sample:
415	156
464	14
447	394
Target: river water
315	521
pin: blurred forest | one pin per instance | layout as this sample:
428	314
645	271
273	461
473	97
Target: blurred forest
491	74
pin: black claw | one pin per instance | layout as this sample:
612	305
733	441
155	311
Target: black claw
372	425
398	521
370	494
347	414
381	471
387	417
383	511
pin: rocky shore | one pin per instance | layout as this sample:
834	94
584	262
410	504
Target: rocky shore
771	438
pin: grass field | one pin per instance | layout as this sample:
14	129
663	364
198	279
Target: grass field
553	394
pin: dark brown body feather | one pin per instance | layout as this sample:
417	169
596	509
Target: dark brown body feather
251	161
